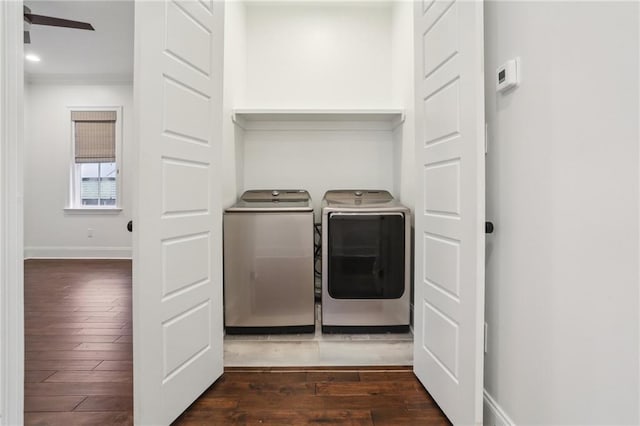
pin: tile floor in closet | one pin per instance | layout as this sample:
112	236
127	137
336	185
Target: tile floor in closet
318	349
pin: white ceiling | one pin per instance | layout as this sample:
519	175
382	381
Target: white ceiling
103	55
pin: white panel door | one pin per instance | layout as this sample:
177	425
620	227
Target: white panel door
177	268
449	288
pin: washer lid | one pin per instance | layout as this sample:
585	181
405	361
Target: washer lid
283	200
275	195
356	197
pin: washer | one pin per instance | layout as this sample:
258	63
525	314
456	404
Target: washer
366	261
268	263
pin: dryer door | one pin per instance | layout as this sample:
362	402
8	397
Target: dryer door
366	255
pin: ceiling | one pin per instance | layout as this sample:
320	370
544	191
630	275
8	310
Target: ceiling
103	55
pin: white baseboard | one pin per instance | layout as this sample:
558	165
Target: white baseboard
493	414
77	252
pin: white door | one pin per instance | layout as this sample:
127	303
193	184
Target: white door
449	289
177	268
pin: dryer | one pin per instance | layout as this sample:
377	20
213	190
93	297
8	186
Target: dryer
366	261
268	263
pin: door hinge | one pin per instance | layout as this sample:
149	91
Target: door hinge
486	138
486	332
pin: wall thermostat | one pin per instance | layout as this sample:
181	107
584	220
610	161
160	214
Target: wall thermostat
508	75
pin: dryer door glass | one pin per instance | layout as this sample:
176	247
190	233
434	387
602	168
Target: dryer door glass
366	256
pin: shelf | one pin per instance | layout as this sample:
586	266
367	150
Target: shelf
318	119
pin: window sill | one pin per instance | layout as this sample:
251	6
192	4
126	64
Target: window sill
93	210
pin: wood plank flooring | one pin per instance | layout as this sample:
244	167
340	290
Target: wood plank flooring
321	395
78	366
78	353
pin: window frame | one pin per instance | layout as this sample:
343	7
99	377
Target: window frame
74	203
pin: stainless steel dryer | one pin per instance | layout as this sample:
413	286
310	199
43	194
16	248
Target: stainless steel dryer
268	263
366	243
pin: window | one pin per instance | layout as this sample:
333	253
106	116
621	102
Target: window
97	184
95	163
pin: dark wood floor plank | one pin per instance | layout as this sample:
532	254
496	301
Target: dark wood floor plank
52	389
211	417
115	366
73	338
59	316
124	418
94	309
52	403
49	308
68	355
320	402
114	316
36	376
389	376
419	402
264	388
380	387
90	377
71	303
124	300
46	331
309	417
99	325
49	346
103	347
105	331
267	377
58	365
214	403
124	339
387	417
333	376
106	403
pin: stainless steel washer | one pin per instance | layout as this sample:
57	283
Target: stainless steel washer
366	260
268	263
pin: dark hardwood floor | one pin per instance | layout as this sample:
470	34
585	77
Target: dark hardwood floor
303	396
78	366
78	353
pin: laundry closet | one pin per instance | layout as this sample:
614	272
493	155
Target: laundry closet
319	96
313	96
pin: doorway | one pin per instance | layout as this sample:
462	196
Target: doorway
78	162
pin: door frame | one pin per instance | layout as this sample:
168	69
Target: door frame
11	214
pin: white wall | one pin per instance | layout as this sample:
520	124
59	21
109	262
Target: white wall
403	95
562	298
49	231
235	79
314	55
318	160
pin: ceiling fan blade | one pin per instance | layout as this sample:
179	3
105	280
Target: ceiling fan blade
57	22
27	37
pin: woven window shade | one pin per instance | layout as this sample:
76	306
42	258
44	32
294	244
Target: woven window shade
95	136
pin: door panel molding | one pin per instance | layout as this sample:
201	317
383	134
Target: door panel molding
177	261
449	288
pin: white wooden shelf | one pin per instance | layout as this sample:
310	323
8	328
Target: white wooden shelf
318	119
